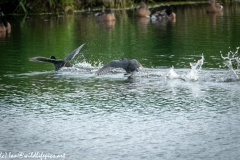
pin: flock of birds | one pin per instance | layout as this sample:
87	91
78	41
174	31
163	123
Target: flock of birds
142	11
129	65
163	15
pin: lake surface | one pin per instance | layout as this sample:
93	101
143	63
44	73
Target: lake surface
185	112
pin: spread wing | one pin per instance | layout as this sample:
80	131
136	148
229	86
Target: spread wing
73	54
42	59
110	66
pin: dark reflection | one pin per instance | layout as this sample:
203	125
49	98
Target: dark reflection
106	19
2	35
163	24
143	20
143	23
106	24
213	18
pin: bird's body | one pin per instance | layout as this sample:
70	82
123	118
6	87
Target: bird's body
164	15
108	15
129	65
59	63
143	10
5	26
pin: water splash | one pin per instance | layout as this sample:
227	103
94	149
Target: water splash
232	61
172	74
195	70
79	68
84	65
192	75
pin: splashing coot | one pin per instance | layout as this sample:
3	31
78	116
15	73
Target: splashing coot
59	63
129	65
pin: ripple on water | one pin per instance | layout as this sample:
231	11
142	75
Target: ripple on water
86	116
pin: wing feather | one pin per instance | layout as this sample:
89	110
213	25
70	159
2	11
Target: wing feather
104	70
110	66
73	54
42	59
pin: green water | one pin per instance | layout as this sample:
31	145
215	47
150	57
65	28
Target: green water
84	116
154	44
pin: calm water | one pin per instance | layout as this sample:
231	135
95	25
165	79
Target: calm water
77	114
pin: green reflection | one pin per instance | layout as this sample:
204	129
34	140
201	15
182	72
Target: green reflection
154	44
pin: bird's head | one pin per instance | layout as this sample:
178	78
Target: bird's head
168	11
52	57
142	5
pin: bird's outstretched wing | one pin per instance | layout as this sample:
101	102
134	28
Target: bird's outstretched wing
110	66
73	54
42	59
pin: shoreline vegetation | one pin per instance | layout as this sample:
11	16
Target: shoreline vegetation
68	6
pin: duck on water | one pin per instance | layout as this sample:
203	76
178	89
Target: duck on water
143	10
58	64
108	15
164	15
214	7
5	26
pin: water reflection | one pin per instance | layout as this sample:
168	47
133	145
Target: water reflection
2	35
213	18
143	23
106	24
164	25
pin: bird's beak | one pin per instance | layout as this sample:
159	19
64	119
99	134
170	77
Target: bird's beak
142	68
